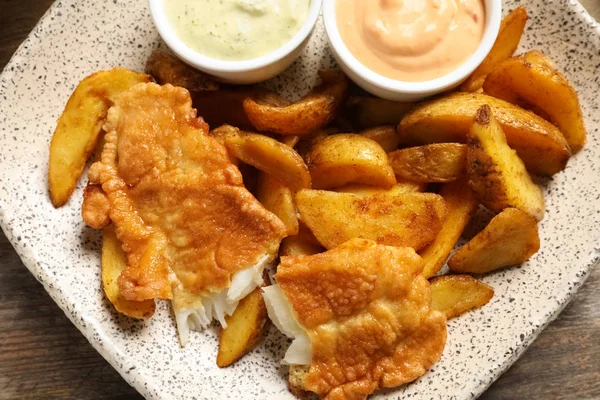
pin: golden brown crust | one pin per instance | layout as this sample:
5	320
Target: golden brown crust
95	207
366	309
176	200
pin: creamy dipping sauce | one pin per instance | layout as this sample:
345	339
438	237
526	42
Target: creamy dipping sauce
411	40
235	30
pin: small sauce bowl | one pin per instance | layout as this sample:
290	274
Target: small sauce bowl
396	90
240	72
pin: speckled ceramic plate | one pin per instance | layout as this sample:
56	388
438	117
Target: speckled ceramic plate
78	37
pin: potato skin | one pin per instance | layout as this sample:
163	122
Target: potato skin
518	81
509	36
79	126
454	295
389	218
338	160
385	135
510	238
369	112
166	68
540	145
496	174
309	114
438	162
279	199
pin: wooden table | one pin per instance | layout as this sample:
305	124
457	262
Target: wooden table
43	356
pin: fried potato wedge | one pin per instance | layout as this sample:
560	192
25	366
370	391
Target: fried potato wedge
398	188
508	39
166	68
461	204
95	207
454	295
272	157
406	219
337	160
510	238
304	243
386	135
244	328
309	114
369	112
279	199
225	106
517	79
113	263
79	127
496	174
438	162
539	144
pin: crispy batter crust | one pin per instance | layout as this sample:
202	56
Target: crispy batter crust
178	204
366	308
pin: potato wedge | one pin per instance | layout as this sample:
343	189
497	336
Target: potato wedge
438	162
539	144
166	68
309	114
279	199
510	238
244	328
113	263
454	295
366	190
369	112
538	58
461	204
290	140
79	127
272	157
95	207
225	106
337	160
407	219
508	39
386	135
496	174
517	79
304	243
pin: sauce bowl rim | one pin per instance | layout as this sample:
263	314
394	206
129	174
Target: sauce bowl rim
203	62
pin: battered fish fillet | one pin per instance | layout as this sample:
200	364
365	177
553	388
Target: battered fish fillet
361	318
190	229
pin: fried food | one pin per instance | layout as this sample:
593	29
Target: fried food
113	264
309	114
304	243
244	328
367	190
508	39
279	199
95	207
461	204
272	157
510	238
79	127
538	143
518	80
369	112
454	295
496	174
225	106
394	219
341	159
385	135
360	317
190	230
438	162
166	68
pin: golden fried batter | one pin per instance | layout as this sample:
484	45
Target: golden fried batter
366	309
179	206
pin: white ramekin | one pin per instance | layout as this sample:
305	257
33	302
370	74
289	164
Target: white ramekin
242	72
396	90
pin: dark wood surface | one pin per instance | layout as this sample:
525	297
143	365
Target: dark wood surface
43	356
